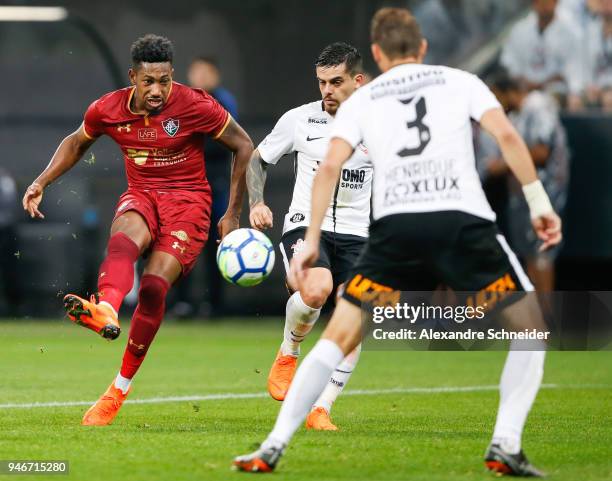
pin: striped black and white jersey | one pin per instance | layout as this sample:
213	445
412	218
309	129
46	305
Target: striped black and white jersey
305	132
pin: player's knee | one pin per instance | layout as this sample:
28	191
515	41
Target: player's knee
152	293
315	295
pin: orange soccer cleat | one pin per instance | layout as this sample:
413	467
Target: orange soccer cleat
100	318
281	375
106	408
319	420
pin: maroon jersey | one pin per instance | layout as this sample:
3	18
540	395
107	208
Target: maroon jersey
163	150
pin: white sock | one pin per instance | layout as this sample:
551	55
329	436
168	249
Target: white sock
519	385
310	379
338	380
299	319
122	383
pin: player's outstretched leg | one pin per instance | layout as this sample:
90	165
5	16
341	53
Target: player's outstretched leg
114	282
519	385
341	336
145	323
303	310
319	418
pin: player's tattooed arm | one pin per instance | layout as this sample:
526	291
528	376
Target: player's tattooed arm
260	215
238	141
256	178
69	152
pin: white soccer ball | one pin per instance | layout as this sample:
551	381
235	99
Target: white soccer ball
245	257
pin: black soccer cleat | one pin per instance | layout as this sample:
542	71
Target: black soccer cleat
260	461
502	462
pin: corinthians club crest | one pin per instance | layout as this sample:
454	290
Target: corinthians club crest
171	126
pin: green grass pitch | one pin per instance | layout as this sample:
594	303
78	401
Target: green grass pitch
419	435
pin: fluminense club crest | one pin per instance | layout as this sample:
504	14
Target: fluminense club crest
171	126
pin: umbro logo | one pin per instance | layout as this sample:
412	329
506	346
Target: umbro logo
310	139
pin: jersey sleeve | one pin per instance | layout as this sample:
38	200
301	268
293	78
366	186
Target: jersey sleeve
480	97
280	141
92	123
346	125
213	119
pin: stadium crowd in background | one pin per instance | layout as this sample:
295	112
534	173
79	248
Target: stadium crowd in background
565	49
598	57
456	28
558	57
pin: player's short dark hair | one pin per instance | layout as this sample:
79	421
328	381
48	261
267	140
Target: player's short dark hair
396	32
339	53
502	81
152	49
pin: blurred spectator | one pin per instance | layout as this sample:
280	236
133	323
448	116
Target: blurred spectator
204	73
536	117
598	59
581	12
9	253
541	52
455	28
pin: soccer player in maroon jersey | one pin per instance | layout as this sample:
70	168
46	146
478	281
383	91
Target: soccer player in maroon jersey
160	126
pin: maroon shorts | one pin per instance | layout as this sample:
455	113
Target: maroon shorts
178	220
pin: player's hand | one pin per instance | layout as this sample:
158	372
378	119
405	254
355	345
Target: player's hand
299	263
548	229
226	224
31	200
260	216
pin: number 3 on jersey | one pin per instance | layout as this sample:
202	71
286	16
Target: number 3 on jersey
424	134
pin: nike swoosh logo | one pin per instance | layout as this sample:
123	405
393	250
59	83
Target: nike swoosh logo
308	139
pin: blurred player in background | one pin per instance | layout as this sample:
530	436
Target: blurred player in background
432	223
304	131
160	126
203	73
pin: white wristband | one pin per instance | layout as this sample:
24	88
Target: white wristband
537	199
